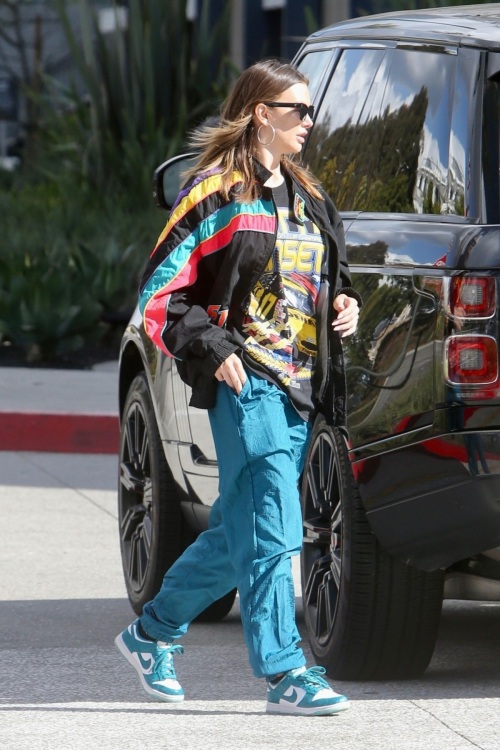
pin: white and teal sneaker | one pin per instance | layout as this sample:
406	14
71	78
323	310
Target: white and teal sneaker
304	692
153	662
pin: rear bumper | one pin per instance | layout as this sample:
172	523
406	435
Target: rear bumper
437	501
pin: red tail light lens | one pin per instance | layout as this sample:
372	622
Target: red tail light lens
472	297
471	359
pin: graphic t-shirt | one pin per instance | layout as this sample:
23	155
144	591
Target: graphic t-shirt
279	324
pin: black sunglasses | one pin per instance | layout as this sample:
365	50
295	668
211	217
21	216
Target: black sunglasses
304	110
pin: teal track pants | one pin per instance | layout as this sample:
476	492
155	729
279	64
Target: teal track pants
255	528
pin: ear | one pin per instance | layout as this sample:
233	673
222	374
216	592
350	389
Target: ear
260	114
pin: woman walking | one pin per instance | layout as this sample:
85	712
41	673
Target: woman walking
248	288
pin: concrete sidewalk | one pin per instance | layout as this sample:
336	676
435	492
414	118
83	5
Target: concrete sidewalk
63	411
64	686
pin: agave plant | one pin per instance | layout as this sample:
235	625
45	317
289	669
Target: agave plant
146	85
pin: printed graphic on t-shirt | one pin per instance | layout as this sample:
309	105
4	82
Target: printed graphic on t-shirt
280	320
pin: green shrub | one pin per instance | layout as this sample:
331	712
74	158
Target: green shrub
67	261
146	86
80	223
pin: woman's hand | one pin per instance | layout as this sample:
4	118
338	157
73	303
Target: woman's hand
348	314
233	372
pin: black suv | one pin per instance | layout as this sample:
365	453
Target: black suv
407	142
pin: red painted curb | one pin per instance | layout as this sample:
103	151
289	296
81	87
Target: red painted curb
59	433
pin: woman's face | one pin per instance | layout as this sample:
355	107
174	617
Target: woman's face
291	131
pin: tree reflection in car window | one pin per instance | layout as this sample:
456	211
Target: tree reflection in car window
329	151
417	117
387	155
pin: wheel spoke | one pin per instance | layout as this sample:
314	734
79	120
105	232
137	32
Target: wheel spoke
336	569
131	479
311	587
144	452
330	601
331	483
146	534
137	430
132	562
336	518
335	542
324	462
318	570
129	432
132	519
142	558
317	531
313	484
148	493
320	617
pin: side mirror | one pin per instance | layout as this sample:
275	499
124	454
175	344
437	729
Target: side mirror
167	180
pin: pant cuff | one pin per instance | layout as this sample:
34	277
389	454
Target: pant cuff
156	630
291	662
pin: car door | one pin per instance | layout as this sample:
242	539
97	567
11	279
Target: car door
390	146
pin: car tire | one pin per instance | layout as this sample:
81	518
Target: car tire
153	530
219	609
368	615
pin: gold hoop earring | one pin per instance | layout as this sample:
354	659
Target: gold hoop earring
258	135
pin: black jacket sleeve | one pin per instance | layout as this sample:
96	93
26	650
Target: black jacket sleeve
173	286
345	282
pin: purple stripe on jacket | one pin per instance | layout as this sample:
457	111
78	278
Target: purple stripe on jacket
199	178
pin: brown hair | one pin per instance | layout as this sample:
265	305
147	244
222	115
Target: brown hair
231	144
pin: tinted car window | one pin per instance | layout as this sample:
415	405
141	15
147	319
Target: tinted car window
462	127
382	138
491	150
313	67
340	148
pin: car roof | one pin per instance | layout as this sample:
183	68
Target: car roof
467	25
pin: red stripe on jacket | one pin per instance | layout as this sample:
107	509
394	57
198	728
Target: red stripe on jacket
155	314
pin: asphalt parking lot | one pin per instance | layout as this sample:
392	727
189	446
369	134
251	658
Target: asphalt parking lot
62	685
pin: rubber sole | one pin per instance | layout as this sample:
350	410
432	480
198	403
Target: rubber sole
123	650
289	710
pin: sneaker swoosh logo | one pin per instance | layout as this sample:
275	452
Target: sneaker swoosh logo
146	664
293	695
293	698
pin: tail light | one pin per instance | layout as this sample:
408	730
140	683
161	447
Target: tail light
471	360
472	297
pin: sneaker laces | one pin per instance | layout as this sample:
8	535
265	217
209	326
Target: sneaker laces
164	662
312	677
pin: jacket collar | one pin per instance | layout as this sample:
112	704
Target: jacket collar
260	171
263	174
316	209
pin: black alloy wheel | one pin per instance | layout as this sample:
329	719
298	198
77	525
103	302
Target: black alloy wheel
136	497
322	548
153	530
149	512
368	615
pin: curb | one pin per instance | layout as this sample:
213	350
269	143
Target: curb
59	433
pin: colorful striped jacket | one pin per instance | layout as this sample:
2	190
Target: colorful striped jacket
206	262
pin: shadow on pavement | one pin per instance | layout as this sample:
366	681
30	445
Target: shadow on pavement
65	649
79	471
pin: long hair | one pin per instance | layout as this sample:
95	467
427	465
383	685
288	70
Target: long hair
230	145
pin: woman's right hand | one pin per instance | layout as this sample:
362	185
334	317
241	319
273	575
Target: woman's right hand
233	373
